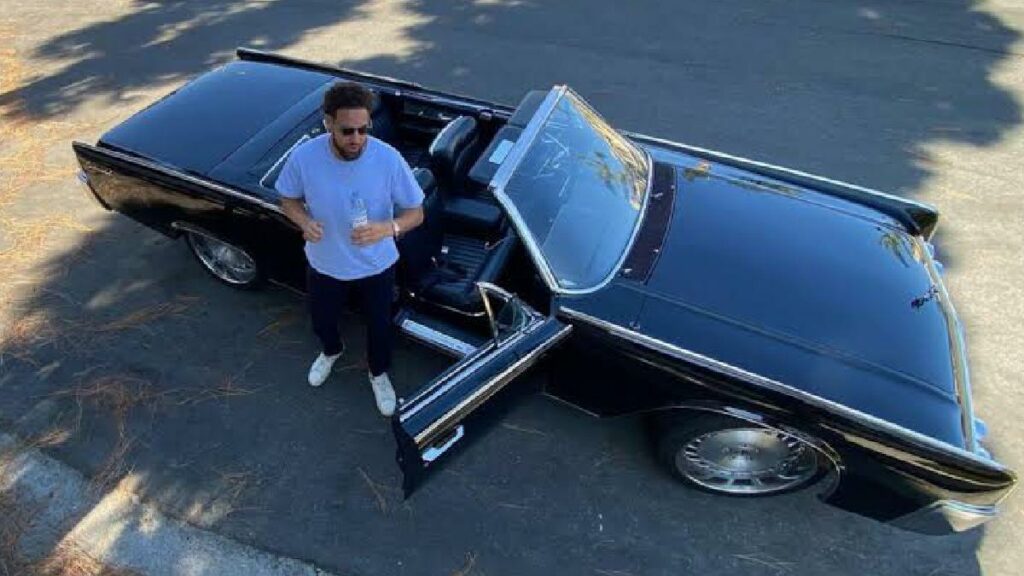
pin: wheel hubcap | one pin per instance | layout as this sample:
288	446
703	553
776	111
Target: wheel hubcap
228	263
747	461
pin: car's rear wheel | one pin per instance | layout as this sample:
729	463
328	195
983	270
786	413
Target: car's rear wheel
229	263
728	456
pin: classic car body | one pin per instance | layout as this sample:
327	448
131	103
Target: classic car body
774	325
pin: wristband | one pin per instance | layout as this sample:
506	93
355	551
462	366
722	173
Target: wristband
395	228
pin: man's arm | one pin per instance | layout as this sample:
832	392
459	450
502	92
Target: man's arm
409	218
295	210
373	232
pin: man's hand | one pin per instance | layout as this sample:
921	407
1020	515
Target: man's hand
313	231
371	233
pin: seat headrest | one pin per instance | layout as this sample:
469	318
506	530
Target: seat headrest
425	178
453	138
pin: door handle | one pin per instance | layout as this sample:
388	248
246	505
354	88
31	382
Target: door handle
435	451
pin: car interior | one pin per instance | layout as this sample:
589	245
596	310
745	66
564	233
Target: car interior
466	236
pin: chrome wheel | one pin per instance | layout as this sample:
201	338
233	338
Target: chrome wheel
746	461
228	263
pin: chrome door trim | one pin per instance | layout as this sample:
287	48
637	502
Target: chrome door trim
449	344
479	358
435	452
172	172
279	161
726	369
474	359
491	387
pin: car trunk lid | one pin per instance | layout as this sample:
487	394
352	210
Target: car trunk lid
198	126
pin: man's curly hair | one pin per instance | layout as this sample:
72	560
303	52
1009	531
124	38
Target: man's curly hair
347	95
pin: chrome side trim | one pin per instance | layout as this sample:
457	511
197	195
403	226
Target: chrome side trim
481	394
471	361
958	349
446	343
168	171
945	517
774	385
480	358
263	179
740	159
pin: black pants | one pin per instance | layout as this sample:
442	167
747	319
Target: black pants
328	295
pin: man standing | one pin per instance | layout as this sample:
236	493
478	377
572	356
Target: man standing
351	195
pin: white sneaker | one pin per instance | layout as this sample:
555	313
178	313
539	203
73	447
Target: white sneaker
321	368
383	393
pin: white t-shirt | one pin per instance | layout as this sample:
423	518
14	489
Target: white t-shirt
328	184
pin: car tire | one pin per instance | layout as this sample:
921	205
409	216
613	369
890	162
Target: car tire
733	457
228	262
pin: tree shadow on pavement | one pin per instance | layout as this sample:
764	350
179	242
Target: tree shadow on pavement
230	439
159	43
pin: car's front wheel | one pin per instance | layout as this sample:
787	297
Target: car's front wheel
229	263
728	456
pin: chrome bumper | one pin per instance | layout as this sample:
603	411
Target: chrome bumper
946	517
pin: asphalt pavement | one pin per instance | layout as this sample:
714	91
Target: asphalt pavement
122	360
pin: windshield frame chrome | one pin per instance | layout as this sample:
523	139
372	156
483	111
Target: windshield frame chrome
515	157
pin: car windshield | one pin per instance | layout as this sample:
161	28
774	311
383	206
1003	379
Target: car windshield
579	189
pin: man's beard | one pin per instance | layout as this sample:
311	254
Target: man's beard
343	153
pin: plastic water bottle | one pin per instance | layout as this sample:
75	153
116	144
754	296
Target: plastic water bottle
358	212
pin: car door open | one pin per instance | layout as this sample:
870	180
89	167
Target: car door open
439	416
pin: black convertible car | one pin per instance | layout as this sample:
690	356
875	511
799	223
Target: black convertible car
775	327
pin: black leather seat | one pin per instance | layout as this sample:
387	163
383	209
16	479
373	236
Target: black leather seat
422	243
443	259
472	216
383	122
452	152
464	261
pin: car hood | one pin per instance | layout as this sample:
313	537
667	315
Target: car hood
816	292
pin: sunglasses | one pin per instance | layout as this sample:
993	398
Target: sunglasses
350	131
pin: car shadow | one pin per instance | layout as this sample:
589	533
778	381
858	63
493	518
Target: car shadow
131	365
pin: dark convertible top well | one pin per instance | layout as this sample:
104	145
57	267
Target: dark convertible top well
200	125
